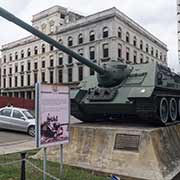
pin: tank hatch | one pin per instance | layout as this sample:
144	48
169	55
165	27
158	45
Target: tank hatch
101	94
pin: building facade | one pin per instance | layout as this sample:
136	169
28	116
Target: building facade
101	37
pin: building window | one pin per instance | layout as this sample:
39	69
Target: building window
29	66
80	39
29	96
127	37
22	95
135	57
51	62
16	68
147	59
15	81
29	52
10	82
152	51
35	65
80	51
10	70
4	82
135	41
22	54
69	74
91	71
70	59
70	41
91	36
105	32
120	33
43	77
62	16
4	71
15	94
141	45
43	64
105	51
4	58
80	73
22	81
51	25
10	57
92	53
43	48
28	79
60	59
127	55
147	48
160	56
141	58
35	78
22	68
51	77
35	50
51	48
119	50
60	75
16	55
165	58
157	54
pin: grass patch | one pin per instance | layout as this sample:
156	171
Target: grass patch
12	171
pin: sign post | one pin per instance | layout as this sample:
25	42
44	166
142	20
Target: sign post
61	160
44	164
52	118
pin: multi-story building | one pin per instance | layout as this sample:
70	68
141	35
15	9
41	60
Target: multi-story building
101	37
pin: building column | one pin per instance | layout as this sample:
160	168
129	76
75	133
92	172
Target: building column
25	94
33	95
113	49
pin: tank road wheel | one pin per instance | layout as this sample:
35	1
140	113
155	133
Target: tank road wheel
163	110
173	109
179	107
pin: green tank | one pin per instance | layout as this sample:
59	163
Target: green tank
147	91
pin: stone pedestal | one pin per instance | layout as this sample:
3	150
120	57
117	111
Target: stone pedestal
130	151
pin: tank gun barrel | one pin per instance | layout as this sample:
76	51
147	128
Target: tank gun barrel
10	17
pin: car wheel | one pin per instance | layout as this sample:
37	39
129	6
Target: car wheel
31	131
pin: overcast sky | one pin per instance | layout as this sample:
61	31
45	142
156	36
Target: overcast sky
158	17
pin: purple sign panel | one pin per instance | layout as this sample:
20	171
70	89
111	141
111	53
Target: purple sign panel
53	112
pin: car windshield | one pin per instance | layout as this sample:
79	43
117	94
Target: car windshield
29	114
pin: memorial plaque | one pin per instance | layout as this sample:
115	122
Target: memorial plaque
126	142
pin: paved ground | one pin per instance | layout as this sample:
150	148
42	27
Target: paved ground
11	141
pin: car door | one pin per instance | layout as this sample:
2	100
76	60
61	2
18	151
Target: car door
19	121
5	118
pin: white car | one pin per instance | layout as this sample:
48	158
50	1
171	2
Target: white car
18	119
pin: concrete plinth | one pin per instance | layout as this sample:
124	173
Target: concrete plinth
139	152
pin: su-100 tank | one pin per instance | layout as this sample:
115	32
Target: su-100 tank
148	91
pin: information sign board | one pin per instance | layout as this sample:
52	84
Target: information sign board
52	114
